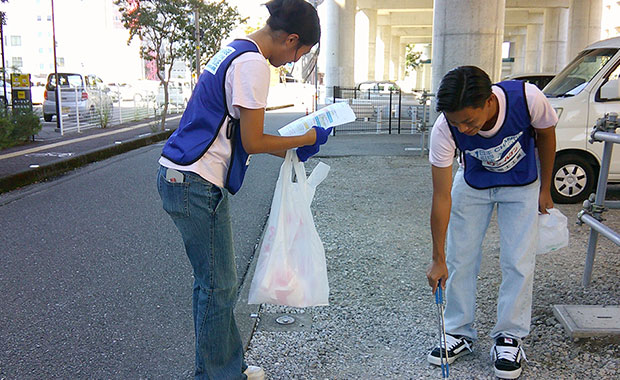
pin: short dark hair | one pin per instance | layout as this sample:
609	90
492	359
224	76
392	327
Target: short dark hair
464	86
295	16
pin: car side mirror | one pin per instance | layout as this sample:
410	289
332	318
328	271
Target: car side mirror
611	90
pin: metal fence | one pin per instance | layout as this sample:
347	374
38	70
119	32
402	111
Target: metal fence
390	112
108	111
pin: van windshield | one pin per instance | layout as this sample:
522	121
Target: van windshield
575	76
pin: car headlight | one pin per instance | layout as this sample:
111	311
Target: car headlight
558	110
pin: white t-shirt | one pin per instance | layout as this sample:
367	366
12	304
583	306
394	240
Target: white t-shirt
442	145
247	86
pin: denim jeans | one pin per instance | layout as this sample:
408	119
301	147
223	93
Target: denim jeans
200	210
517	216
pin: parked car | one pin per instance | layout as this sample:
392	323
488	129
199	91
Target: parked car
377	86
583	92
84	94
178	94
540	80
122	92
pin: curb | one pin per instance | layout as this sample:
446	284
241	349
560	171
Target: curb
29	176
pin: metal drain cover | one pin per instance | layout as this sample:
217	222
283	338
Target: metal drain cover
285	320
581	321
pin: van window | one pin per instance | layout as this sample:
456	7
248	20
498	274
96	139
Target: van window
66	80
575	77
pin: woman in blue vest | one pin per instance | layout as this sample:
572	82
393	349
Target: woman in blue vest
206	158
505	137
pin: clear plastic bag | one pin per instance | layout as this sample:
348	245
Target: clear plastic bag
291	268
552	231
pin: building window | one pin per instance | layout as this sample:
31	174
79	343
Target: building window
40	34
41	50
38	18
17	62
16	40
49	18
42	66
61	62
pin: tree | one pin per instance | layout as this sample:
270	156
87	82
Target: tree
161	26
216	21
412	59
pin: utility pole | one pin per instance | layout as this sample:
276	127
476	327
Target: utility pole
2	22
57	89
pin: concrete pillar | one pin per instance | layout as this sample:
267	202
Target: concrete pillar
382	63
533	48
419	77
428	68
555	39
519	54
394	54
584	26
402	61
371	14
467	33
339	49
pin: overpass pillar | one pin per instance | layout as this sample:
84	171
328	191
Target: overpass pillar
533	44
584	25
555	39
371	14
467	33
394	55
340	46
382	66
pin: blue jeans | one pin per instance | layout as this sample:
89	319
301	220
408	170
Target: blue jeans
517	216
200	210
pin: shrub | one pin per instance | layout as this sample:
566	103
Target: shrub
17	126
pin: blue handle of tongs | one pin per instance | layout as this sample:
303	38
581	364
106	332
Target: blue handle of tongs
438	294
445	368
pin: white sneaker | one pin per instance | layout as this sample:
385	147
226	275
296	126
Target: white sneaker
254	373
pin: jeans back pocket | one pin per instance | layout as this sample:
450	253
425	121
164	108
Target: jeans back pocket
174	196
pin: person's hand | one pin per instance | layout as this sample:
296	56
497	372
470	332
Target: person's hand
544	202
437	271
307	151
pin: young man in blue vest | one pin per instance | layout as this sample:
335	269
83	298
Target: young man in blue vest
505	138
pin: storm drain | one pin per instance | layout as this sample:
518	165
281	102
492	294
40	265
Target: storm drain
582	321
285	322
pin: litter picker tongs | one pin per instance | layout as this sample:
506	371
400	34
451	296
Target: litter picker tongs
443	350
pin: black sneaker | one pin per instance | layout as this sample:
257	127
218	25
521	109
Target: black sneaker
507	355
457	346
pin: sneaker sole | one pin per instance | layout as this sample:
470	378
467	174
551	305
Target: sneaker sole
437	361
508	374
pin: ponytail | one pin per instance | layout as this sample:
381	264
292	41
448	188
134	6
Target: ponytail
295	16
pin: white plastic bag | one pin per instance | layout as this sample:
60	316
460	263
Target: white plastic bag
552	231
291	268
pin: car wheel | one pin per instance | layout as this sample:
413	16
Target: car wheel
47	117
574	179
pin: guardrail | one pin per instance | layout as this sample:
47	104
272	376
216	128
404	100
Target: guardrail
594	207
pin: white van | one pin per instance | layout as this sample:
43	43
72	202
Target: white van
581	93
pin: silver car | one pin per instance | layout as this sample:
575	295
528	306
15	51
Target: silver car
84	95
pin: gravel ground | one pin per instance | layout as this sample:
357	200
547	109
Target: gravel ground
372	214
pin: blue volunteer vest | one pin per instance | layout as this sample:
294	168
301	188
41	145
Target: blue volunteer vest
205	115
508	158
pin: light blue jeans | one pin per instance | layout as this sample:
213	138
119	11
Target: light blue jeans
200	210
517	216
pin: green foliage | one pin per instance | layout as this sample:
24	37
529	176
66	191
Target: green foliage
216	20
17	126
161	26
412	59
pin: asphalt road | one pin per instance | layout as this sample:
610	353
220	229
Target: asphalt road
94	280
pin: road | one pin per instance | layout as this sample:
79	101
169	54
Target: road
94	280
